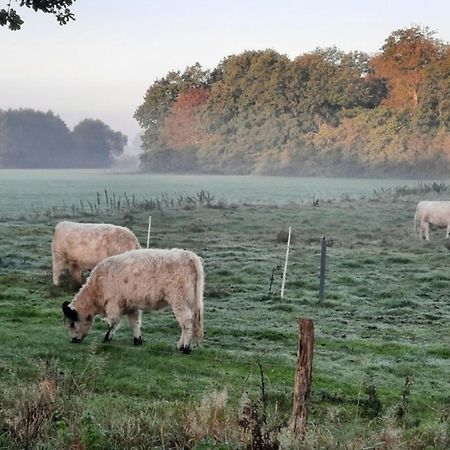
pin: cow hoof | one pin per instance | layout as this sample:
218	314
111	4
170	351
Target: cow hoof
138	340
76	340
107	339
186	349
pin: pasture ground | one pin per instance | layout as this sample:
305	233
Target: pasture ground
381	375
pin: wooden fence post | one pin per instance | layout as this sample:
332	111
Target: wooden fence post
303	376
323	261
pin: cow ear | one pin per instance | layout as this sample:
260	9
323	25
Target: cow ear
69	312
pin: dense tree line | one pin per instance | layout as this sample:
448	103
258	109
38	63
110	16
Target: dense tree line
34	139
324	112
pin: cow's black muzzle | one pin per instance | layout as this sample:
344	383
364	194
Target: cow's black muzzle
77	340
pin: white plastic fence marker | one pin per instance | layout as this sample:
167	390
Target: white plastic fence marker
149	228
286	263
323	260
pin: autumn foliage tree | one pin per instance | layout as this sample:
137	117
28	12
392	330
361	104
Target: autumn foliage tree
404	62
183	122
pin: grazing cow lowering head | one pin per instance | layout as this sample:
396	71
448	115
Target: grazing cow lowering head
78	325
136	281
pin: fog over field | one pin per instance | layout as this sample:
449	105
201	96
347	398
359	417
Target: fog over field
21	190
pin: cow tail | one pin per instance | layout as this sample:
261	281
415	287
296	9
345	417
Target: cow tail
57	257
198	300
415	220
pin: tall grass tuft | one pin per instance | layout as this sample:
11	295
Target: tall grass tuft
128	204
403	191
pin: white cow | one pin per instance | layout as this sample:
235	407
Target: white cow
79	247
139	280
432	213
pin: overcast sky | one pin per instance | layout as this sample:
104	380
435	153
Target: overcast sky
101	65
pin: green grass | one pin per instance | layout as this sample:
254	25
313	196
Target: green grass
385	317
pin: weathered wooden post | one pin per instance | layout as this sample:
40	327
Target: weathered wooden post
285	263
148	231
323	260
303	377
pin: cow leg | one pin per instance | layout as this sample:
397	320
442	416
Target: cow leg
76	274
58	266
448	232
185	317
113	324
424	230
134	317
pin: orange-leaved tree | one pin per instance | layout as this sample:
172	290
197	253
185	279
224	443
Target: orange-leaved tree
182	123
405	59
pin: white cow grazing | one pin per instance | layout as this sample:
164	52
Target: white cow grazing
432	213
140	280
81	246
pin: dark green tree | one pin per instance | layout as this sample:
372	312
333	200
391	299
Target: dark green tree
33	139
96	144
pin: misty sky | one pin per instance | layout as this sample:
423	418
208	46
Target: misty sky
101	65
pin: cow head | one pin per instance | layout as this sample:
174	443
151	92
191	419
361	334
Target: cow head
77	325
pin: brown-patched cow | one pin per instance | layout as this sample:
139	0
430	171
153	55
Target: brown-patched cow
140	280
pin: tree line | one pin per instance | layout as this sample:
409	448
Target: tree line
35	139
327	112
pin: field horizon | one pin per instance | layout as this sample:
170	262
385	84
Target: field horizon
21	190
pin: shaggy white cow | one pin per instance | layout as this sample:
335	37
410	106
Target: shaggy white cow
79	247
140	280
432	213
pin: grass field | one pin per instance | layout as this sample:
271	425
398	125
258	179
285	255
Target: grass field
381	376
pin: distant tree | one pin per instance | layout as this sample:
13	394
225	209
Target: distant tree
33	139
59	8
96	144
330	81
158	100
434	95
406	56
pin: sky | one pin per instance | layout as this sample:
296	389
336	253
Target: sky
101	65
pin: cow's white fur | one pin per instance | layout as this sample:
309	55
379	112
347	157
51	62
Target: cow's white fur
81	246
432	213
139	280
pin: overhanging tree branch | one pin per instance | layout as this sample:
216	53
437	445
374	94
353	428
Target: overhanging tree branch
59	8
